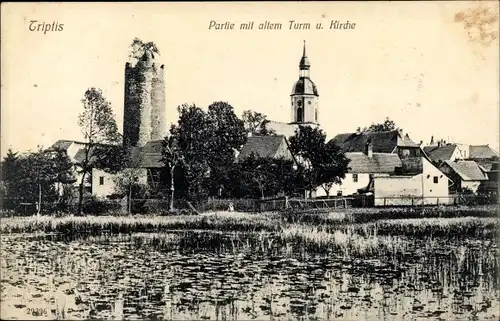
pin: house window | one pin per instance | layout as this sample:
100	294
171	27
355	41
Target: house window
101	180
355	178
436	179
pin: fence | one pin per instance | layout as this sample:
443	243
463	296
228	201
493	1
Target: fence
456	199
161	206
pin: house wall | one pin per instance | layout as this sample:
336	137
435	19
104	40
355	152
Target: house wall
409	190
283	151
472	185
348	186
109	185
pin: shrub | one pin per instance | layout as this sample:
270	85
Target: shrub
96	205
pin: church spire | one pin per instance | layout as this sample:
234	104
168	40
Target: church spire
304	64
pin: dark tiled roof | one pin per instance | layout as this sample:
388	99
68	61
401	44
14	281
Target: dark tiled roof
378	163
304	86
261	146
481	151
487	164
440	153
61	144
467	170
382	142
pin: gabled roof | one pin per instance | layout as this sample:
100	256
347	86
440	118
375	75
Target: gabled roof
285	129
467	170
152	154
481	151
487	164
382	142
61	144
378	163
261	146
440	153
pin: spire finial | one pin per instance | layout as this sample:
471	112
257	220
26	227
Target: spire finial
304	51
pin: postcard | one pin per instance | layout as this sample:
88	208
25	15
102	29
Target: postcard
249	160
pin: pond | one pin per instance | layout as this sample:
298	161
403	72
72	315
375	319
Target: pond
236	276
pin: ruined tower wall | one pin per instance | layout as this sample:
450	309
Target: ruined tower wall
158	119
144	103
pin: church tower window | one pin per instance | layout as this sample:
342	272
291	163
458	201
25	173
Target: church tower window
300	115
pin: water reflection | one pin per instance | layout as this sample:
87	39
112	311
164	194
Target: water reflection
237	277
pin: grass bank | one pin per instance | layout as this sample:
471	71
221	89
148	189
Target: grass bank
455	224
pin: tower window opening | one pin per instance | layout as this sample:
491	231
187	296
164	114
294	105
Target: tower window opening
316	114
300	115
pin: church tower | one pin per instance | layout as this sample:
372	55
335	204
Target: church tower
304	97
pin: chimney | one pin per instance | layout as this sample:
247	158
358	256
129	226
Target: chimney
358	130
439	143
369	149
421	142
401	133
432	141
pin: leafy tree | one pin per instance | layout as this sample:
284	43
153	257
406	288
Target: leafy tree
128	176
192	139
139	47
38	175
255	123
225	135
387	125
99	130
259	177
322	164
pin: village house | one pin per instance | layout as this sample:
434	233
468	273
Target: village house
417	181
465	174
389	142
440	153
266	147
363	166
371	154
491	185
146	165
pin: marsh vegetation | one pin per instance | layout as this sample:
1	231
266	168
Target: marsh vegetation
234	266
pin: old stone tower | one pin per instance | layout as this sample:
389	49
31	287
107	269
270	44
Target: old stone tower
144	104
305	98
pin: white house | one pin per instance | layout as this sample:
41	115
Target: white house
363	166
466	174
418	179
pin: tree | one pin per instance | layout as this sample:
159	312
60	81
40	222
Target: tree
139	47
9	173
258	177
36	175
192	139
99	130
321	163
225	135
255	124
387	125
172	157
128	175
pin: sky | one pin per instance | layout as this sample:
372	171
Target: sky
410	61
